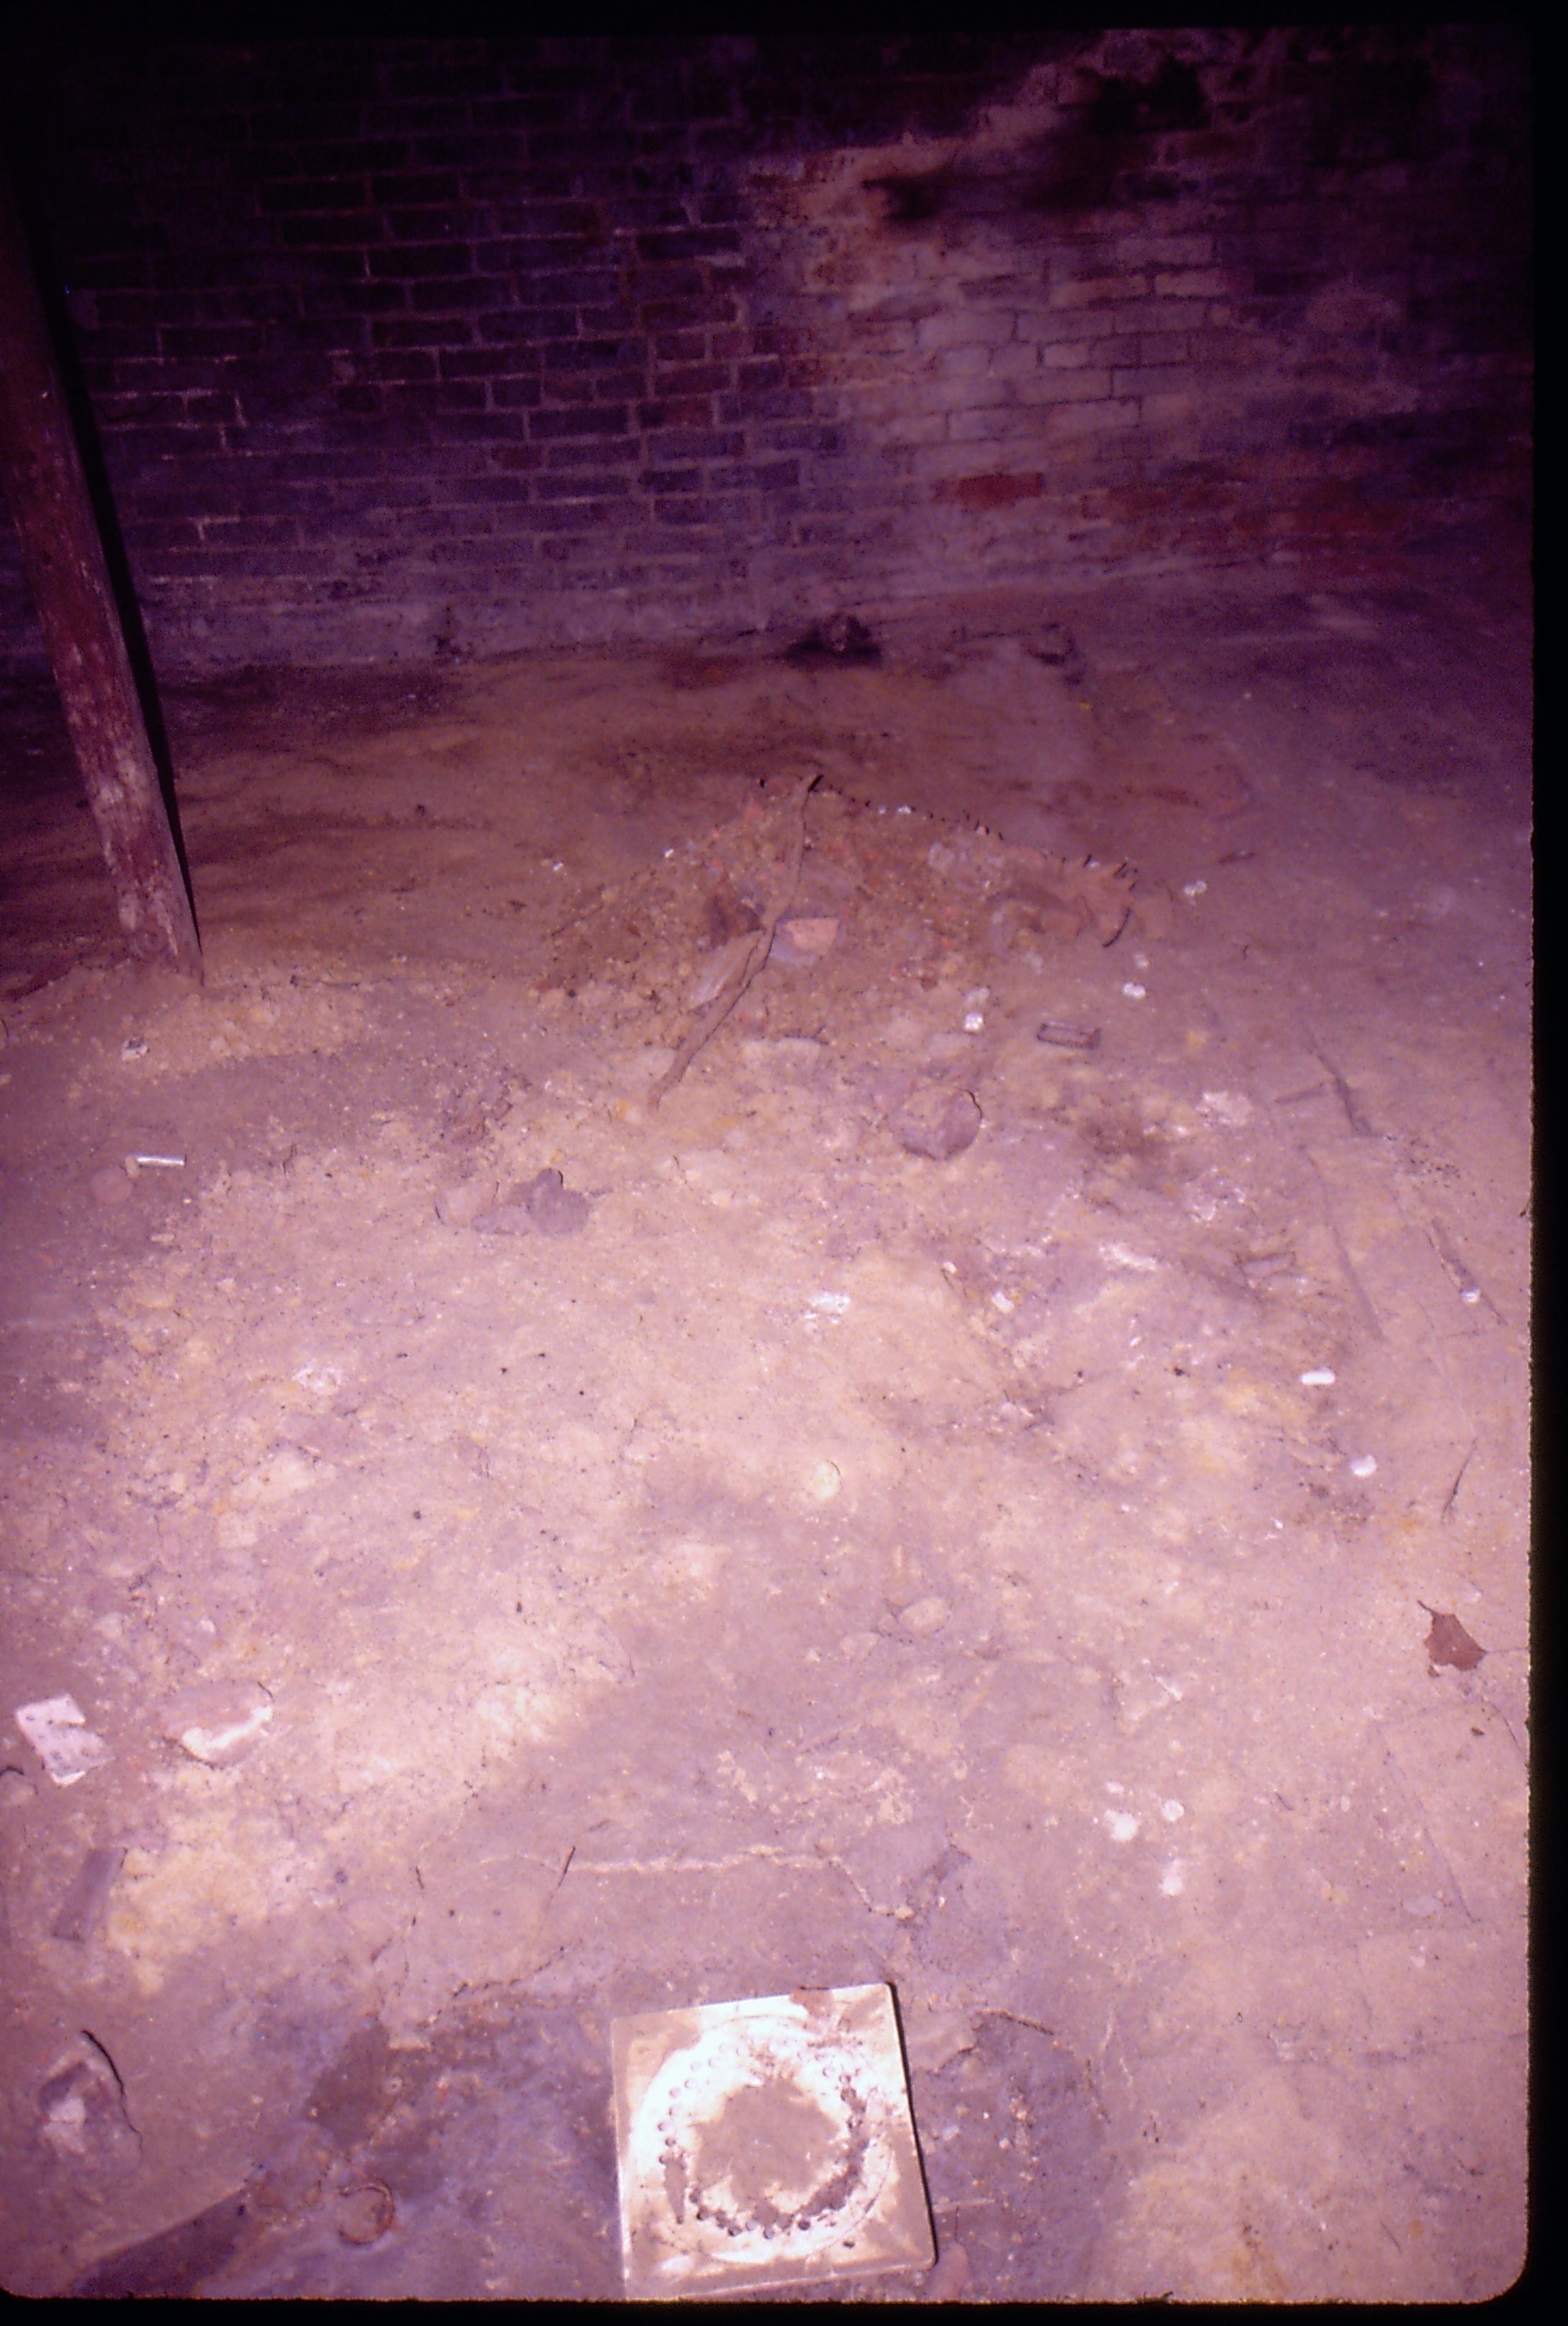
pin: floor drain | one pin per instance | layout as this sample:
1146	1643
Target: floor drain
766	2143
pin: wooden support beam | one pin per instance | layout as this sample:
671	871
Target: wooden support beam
40	471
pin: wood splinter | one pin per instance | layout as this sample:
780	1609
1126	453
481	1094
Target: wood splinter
751	961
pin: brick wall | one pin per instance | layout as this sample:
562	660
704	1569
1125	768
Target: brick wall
415	346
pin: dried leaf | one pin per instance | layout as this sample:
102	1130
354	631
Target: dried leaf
1448	1642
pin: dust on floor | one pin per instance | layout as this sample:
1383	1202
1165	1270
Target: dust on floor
1009	1476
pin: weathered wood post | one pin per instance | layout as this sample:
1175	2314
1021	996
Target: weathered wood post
62	553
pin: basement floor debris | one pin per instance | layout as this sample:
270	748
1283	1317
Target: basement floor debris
861	1522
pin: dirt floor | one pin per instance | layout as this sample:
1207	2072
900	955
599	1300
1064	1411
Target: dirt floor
1010	1477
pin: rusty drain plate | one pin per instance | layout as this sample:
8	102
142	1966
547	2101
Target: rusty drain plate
766	2143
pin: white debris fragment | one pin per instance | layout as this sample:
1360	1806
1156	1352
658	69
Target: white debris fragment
1173	1879
218	1722
1365	1466
1319	1377
56	1730
1229	1107
1193	889
973	1022
1133	991
1120	1255
1121	1825
1171	1810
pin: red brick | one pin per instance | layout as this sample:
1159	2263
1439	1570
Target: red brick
567	454
573	484
613	422
421	260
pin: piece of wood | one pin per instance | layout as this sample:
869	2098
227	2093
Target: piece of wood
751	961
40	471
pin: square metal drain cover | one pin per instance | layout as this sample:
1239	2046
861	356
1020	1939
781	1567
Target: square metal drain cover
766	2143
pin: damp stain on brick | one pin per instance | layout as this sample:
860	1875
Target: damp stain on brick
510	342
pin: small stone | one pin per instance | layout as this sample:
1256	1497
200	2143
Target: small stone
823	1480
855	1646
842	637
924	1616
218	1722
797	943
1365	1466
460	1205
110	1186
939	1123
